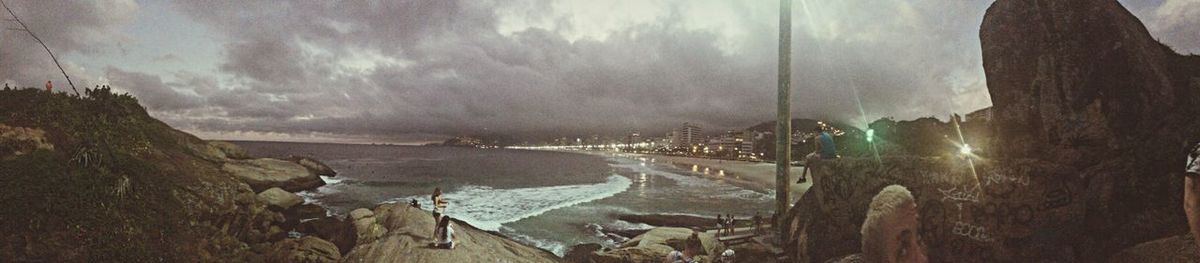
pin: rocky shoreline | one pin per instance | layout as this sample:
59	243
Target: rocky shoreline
304	232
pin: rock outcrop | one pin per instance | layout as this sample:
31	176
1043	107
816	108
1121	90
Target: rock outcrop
1016	211
313	165
121	186
16	141
333	229
367	228
654	245
306	249
1082	83
1091	119
279	199
1078	80
409	233
265	173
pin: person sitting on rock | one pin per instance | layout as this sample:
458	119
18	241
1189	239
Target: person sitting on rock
691	248
444	238
439	205
1191	191
825	149
889	234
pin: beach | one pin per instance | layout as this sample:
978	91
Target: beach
758	176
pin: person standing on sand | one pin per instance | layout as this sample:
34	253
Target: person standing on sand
439	206
729	221
757	223
720	224
1191	191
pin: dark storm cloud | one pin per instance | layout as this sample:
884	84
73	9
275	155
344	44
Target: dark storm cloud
151	91
68	28
451	71
383	68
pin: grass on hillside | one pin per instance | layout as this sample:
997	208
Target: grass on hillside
99	195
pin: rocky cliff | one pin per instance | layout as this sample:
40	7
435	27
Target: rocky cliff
95	179
1078	81
971	211
1092	118
1084	84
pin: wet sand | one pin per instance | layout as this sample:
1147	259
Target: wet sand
755	176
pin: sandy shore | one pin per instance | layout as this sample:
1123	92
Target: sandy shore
750	175
756	176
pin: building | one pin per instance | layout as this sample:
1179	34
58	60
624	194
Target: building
734	144
633	138
689	135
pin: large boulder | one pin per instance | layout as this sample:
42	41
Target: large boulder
313	165
1075	80
970	211
307	249
1082	83
649	253
655	244
674	237
265	173
409	234
333	229
581	252
366	227
279	199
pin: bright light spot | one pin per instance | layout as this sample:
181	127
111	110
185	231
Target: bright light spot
966	149
870	135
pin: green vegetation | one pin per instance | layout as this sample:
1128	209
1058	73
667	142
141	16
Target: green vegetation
101	193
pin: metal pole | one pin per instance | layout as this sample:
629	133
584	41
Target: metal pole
783	128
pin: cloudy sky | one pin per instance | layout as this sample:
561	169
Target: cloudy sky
414	70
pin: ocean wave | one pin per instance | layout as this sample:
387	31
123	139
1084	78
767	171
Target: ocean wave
487	208
332	185
558	248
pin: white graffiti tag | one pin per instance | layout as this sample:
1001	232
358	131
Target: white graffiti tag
977	233
965	194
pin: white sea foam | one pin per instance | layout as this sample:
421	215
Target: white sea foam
488	208
558	248
332	184
331	180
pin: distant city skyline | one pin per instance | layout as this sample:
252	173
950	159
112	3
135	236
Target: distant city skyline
423	71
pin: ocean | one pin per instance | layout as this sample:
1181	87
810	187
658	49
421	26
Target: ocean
551	200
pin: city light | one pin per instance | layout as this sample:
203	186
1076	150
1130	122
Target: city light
870	135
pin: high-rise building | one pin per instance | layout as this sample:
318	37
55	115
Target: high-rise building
689	135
